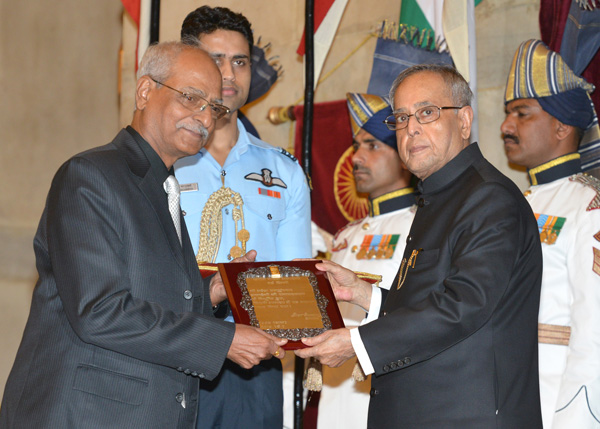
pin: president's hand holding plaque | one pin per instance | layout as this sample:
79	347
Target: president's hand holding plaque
289	299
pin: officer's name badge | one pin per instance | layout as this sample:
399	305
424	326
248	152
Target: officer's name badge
269	193
188	187
378	246
549	227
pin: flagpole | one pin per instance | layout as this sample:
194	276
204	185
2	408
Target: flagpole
307	120
154	21
309	85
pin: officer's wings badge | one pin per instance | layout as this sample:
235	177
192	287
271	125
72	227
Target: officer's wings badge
266	178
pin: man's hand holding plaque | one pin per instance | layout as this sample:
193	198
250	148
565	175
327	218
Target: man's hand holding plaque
346	285
333	348
217	290
290	300
250	345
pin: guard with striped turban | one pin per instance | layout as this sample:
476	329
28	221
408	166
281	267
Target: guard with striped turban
374	244
551	128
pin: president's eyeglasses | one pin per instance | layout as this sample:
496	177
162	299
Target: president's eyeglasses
425	115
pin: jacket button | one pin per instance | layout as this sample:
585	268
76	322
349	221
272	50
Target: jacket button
201	375
407	361
183	212
374	392
408	239
386	368
393	365
421	202
187	371
400	363
385	313
187	294
180	369
269	216
194	374
179	397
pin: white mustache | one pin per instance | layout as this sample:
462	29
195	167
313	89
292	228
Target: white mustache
195	128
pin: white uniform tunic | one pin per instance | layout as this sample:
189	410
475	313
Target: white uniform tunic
567	206
344	402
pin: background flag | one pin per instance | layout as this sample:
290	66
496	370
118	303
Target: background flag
327	15
425	15
458	21
139	11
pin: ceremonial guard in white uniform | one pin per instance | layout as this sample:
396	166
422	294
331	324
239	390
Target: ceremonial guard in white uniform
372	245
548	112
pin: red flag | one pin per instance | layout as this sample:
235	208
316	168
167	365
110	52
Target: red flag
133	9
139	10
321	9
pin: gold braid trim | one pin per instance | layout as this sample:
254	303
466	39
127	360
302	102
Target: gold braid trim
313	376
371	278
211	223
592	182
554	334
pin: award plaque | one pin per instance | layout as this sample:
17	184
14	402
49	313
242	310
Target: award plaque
289	299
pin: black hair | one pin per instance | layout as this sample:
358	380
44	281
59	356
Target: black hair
206	20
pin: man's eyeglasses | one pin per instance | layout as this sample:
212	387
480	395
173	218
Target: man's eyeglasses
425	115
197	103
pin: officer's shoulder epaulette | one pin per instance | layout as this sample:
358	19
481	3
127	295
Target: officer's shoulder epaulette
286	153
345	227
591	182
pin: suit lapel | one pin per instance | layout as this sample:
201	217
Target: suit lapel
154	192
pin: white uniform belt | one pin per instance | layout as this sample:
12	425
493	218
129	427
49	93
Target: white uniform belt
554	334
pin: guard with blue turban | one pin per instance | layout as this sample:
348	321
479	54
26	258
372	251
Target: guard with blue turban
551	128
374	244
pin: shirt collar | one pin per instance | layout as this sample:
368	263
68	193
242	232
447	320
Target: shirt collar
243	141
391	201
158	167
563	166
451	171
240	147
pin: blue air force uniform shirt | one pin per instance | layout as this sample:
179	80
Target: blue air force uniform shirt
259	198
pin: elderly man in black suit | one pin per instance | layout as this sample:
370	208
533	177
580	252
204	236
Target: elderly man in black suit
121	327
454	343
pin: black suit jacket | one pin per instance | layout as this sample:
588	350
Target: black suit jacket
121	326
456	345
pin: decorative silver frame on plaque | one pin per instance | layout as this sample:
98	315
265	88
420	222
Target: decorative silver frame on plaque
284	271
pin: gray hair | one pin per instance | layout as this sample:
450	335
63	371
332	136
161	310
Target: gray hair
159	58
461	93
